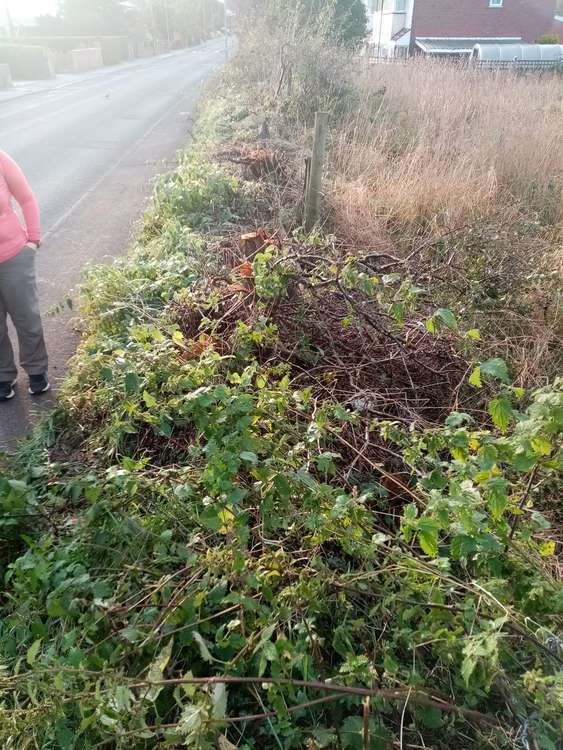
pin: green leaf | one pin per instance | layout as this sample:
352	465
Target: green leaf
32	651
467	668
457	418
324	738
431	326
55	608
219	700
497	498
106	374
156	672
250	457
473	333
131	383
149	400
203	650
447	317
462	546
501	413
547	549
542	446
431	717
165	426
496	368
428	538
475	378
63	735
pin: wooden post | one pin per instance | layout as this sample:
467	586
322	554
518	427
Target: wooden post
315	181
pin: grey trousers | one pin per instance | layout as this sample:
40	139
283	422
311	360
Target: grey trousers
18	299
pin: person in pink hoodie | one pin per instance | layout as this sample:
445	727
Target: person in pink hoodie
18	289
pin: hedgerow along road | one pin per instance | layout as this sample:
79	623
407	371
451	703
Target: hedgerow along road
89	149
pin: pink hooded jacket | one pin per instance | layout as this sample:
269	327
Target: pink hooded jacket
14	186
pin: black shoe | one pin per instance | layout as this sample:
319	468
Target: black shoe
7	390
38	384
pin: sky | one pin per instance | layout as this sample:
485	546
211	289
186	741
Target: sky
24	9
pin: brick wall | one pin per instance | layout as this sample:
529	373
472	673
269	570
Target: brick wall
528	19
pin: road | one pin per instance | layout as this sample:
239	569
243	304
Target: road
90	150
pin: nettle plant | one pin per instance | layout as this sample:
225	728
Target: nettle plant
480	483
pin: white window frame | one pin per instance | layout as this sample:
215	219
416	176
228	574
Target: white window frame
496	3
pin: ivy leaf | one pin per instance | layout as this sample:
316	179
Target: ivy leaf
250	457
106	374
501	413
496	367
32	652
149	400
447	317
475	378
131	383
165	427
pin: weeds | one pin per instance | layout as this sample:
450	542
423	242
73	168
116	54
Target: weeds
293	496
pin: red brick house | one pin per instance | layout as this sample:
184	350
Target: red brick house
453	27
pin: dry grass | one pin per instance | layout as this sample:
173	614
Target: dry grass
436	145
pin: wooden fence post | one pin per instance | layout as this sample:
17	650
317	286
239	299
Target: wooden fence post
315	181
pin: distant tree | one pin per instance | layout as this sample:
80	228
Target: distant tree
350	21
345	21
190	20
83	17
548	39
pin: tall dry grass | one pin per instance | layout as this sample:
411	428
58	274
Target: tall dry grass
468	166
438	145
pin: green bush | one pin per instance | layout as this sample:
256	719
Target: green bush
26	62
548	39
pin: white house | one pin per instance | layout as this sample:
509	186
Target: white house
391	22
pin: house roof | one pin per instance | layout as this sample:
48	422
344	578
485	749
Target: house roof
458	45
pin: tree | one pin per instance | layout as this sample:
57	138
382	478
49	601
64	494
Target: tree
342	20
350	21
84	17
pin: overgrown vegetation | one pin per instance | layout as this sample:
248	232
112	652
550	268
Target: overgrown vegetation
295	494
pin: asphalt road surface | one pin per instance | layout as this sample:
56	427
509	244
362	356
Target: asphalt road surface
90	150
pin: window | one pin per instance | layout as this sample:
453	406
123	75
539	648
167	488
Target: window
495	3
400	6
